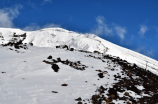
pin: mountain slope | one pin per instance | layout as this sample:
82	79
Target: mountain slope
51	37
29	75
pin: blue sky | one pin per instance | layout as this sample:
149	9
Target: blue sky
129	23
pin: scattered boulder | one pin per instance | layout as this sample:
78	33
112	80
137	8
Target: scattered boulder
71	49
79	103
100	75
78	99
55	67
54	92
31	44
58	59
97	52
126	93
49	57
57	46
65	46
64	85
10	48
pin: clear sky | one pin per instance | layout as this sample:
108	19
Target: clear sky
129	23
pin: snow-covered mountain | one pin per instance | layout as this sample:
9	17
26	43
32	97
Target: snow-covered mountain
27	77
51	37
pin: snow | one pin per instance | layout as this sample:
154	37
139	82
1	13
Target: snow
28	80
140	87
51	37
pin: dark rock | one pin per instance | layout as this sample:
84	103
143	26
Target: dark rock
112	96
71	49
79	103
49	57
146	85
31	44
65	46
112	91
64	85
78	99
100	75
55	67
54	92
57	46
16	46
58	59
126	93
10	48
95	97
97	52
